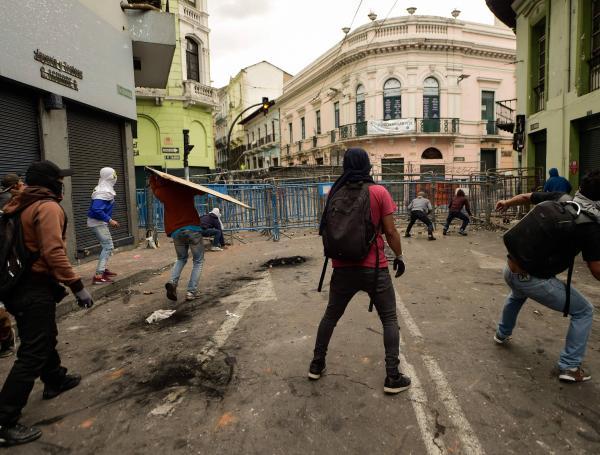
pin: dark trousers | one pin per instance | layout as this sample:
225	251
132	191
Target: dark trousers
421	216
459	215
345	283
216	234
34	307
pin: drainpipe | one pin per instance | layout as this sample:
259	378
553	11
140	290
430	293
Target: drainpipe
138	6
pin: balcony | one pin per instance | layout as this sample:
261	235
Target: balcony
505	115
153	45
421	126
197	93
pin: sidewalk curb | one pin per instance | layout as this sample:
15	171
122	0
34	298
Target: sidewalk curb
69	305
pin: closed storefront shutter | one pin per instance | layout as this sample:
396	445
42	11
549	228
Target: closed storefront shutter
95	141
19	131
589	151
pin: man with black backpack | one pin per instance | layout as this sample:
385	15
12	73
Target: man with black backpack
543	244
33	263
356	213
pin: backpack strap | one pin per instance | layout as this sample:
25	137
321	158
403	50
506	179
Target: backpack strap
379	228
568	288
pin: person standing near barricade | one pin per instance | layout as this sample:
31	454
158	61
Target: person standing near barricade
356	213
32	299
542	245
100	218
419	208
182	224
455	210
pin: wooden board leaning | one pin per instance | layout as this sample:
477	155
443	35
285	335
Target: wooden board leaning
195	186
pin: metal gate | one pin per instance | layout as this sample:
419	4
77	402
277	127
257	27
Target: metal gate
589	148
95	141
19	130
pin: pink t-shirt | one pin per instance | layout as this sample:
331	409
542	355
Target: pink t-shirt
382	205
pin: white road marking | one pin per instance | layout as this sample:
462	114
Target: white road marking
260	290
466	434
418	399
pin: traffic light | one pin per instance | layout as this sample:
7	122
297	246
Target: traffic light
266	104
187	147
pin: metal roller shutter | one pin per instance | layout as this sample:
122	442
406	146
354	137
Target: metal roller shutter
589	146
95	141
19	131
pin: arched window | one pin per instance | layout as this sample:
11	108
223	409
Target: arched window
360	103
192	59
392	102
431	154
431	105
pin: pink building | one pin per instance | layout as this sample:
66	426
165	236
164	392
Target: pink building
419	93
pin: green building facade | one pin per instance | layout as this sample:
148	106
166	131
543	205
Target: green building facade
187	102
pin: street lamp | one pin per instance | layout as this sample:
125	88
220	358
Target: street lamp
346	30
372	16
411	10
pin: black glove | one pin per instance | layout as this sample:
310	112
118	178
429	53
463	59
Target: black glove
399	266
84	298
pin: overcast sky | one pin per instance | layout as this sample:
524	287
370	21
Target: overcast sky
293	33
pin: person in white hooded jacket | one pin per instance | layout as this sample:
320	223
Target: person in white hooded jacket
100	218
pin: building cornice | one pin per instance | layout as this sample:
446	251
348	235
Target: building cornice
329	67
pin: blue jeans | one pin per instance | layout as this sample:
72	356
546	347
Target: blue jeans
183	241
103	235
459	215
216	234
552	294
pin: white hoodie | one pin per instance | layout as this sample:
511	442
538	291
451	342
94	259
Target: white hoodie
104	190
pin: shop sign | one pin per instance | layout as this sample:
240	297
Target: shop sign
172	157
124	92
58	71
170	149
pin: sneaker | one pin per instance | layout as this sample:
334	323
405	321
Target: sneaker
445	232
7	347
500	339
69	381
171	291
18	434
102	280
191	295
396	384
574	375
316	369
108	273
216	248
463	233
407	235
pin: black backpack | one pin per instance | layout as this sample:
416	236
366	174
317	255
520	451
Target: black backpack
349	232
15	257
544	243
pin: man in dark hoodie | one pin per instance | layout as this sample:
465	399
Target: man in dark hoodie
556	183
33	301
212	227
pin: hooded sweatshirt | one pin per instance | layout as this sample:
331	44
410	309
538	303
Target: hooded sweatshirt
557	183
212	220
103	196
44	223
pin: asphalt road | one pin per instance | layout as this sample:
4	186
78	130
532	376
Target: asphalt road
226	374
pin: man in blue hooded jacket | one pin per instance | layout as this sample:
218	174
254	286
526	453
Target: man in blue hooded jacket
557	183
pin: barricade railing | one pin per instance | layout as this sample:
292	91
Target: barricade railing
295	203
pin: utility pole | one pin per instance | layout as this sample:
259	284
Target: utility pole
187	148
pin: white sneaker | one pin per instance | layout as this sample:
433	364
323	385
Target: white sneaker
216	248
191	295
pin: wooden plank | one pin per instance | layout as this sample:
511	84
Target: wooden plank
195	186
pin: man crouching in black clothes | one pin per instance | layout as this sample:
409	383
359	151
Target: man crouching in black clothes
33	301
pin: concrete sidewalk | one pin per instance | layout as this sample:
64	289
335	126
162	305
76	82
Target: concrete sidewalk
132	266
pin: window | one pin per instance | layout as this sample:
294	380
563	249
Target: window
266	132
336	114
192	60
432	154
431	105
252	136
360	103
392	101
258	129
595	52
303	128
318	114
291	132
487	111
273	128
248	138
538	40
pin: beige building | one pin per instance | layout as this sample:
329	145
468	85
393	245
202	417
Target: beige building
419	93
